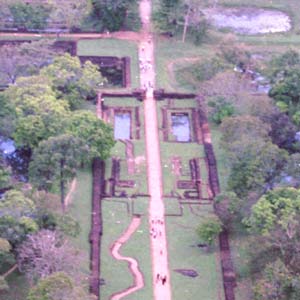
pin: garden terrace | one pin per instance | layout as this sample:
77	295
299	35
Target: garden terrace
116	70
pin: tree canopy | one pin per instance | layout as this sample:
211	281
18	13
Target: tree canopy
278	208
39	113
47	252
285	76
72	81
17	217
58	286
114	16
56	160
97	135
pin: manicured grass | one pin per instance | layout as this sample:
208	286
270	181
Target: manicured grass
117	214
223	169
181	235
80	209
184	254
112	101
112	47
116	273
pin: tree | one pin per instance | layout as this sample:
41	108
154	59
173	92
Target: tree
284	74
255	163
292	168
257	168
15	204
227	207
69	13
282	131
28	16
71	81
234	128
58	286
276	217
167	14
277	283
173	16
209	229
112	16
279	208
17	217
45	253
282	63
55	161
39	113
24	59
97	135
7	116
5	174
221	109
6	256
3	284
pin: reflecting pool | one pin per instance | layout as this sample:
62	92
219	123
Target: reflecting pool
122	126
181	127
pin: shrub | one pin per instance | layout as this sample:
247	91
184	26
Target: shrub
221	109
209	229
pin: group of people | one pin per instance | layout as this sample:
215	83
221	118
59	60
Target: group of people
162	279
156	232
145	65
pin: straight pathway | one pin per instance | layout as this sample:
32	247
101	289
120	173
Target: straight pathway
159	253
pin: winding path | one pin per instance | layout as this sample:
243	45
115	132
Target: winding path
132	263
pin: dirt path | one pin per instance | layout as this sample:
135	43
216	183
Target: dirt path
122	35
160	269
132	263
68	198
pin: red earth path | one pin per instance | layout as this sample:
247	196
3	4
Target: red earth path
158	240
132	263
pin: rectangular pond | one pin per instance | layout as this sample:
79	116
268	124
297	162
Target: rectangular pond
181	127
122	126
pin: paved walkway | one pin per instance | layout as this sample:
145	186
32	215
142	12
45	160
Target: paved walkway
159	253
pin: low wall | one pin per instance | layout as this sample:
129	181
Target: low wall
228	273
126	72
98	169
161	95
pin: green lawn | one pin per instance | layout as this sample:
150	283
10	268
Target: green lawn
182	238
184	254
116	273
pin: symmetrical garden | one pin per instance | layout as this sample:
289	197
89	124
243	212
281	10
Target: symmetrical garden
206	81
